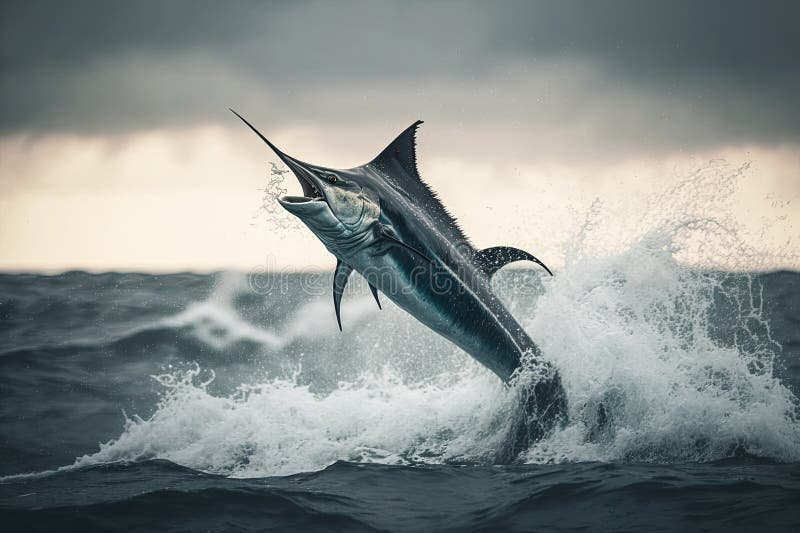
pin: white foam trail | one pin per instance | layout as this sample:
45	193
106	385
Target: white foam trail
216	322
220	326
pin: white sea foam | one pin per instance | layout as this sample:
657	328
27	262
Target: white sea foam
281	427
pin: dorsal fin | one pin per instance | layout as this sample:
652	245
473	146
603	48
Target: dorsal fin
398	165
401	152
490	260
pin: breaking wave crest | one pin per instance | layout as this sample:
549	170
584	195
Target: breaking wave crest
280	427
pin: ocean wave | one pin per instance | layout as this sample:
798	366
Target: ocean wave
650	377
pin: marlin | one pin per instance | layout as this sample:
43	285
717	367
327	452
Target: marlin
383	221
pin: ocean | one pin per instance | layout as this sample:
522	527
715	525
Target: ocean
231	402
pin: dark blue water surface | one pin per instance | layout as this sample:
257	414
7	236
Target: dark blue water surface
187	402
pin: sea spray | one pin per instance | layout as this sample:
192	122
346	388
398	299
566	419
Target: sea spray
664	361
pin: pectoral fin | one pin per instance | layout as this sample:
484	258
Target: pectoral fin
375	294
340	277
390	239
490	260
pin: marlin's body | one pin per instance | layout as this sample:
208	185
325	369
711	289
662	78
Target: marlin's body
440	286
381	220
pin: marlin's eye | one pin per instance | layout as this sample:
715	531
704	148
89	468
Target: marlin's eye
332	178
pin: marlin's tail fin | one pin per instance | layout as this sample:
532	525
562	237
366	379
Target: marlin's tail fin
490	260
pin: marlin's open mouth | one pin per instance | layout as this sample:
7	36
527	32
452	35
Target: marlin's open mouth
310	192
300	199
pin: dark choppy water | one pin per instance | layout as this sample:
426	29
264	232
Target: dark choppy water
188	402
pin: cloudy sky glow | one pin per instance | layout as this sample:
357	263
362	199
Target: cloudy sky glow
117	150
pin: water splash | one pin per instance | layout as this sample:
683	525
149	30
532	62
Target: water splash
663	361
270	211
281	427
642	338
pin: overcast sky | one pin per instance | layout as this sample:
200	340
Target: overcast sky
117	149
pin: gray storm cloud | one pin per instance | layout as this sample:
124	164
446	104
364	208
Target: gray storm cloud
615	76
